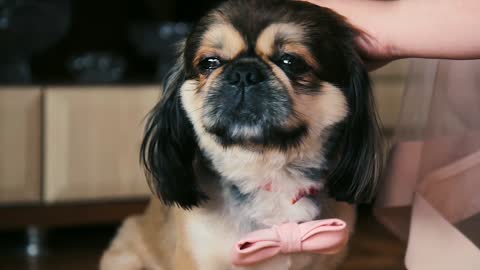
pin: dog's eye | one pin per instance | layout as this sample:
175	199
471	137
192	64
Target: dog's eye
293	64
209	64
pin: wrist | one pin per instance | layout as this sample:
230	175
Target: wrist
394	29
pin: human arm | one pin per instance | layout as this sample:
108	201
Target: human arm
412	28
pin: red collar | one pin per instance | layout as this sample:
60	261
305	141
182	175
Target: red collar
310	191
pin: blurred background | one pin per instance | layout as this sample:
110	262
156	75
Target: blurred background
77	78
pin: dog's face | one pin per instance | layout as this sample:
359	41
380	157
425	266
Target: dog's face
260	76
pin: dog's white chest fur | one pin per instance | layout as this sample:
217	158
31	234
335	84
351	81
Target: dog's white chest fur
214	230
212	239
250	173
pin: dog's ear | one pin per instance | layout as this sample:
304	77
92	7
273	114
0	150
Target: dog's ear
359	154
169	146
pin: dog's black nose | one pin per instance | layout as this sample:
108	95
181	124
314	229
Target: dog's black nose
245	74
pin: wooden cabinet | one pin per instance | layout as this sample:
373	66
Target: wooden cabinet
91	138
20	145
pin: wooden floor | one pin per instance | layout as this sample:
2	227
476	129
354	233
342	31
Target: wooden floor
373	248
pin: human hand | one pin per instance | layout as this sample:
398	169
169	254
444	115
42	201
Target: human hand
374	47
374	51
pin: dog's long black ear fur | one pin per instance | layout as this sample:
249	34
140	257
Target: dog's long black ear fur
169	146
360	150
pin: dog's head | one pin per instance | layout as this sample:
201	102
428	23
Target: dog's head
263	76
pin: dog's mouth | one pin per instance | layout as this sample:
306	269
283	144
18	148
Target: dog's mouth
258	137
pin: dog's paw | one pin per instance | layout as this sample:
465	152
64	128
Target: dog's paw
114	259
127	250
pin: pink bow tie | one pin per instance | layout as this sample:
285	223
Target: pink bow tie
319	236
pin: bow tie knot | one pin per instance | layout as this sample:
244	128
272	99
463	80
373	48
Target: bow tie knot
290	238
319	236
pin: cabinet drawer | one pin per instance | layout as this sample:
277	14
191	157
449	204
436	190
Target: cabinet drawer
92	139
388	97
20	144
388	88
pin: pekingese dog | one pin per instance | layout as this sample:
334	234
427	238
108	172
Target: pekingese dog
267	118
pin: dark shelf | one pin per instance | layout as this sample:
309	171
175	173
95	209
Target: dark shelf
87	27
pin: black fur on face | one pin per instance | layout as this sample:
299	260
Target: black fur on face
255	74
250	112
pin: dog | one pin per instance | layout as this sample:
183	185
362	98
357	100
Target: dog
267	118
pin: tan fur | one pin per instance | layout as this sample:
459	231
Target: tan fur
154	241
266	40
323	110
205	82
221	40
160	240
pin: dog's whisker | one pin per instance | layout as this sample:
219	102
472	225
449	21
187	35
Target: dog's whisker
198	109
